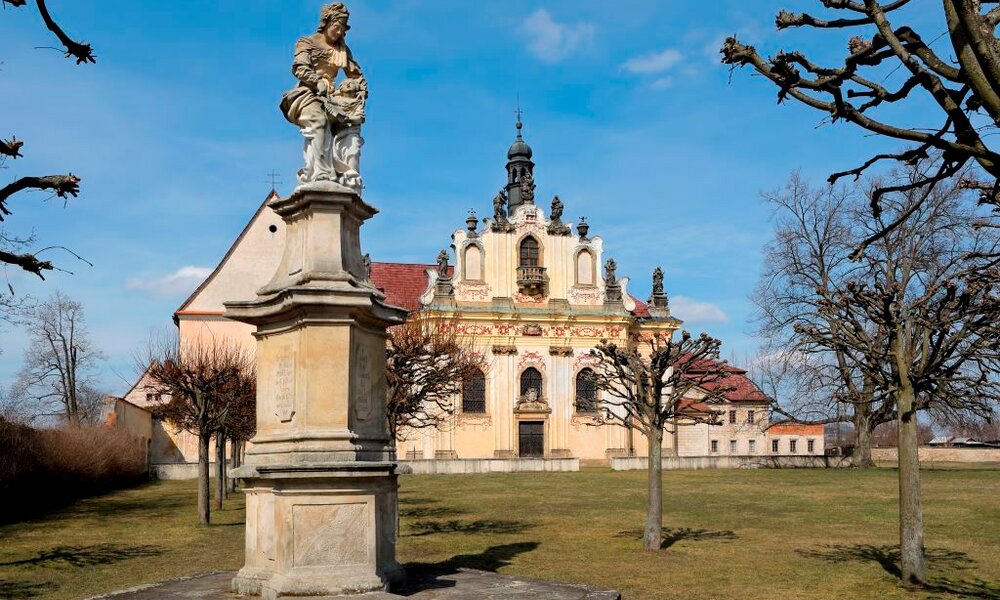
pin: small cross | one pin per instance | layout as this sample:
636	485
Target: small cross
518	112
274	180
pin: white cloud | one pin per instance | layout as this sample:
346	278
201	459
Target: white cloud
688	309
552	41
654	62
662	83
180	282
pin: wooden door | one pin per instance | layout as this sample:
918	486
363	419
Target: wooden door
531	439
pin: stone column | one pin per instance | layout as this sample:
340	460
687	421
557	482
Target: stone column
320	474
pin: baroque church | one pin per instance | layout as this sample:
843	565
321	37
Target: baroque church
533	295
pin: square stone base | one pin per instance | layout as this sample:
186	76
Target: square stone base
319	531
561	453
504	454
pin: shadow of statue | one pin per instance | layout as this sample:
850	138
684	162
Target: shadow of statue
425	576
887	557
672	535
16	590
85	556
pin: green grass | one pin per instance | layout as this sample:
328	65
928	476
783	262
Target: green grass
730	534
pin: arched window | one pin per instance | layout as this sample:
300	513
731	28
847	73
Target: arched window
531	379
528	254
586	391
474	393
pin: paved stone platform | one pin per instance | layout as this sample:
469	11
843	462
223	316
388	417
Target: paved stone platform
429	584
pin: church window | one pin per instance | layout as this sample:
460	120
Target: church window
474	393
528	255
585	268
473	268
531	379
586	391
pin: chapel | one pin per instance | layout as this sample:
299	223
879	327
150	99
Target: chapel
532	294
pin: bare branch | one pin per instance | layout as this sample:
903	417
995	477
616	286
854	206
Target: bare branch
79	50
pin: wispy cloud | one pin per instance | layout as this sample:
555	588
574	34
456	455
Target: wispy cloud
694	311
552	41
654	62
180	282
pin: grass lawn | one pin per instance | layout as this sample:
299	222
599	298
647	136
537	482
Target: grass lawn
729	534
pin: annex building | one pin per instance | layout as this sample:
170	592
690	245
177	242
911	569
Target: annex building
533	295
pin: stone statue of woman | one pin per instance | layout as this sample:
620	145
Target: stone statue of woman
329	114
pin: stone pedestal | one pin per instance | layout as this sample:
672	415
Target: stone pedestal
320	475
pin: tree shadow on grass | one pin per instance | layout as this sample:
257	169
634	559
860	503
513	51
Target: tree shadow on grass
429	512
672	535
85	556
887	557
487	526
425	576
16	590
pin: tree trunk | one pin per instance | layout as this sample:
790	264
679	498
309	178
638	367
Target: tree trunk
911	517
862	422
234	447
204	499
652	537
220	470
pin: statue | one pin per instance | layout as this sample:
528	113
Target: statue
367	261
500	221
442	261
657	281
329	114
528	189
557	209
610	279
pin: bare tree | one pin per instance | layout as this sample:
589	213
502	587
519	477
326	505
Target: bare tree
886	435
239	425
13	249
426	365
199	385
804	264
58	373
887	63
656	385
921	318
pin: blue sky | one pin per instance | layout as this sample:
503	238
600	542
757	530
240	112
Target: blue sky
633	121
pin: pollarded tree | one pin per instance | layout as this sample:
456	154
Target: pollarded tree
13	248
58	373
198	386
922	318
963	82
655	385
426	365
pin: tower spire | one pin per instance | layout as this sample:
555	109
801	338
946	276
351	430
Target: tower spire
519	165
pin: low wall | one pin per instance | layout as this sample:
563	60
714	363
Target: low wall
172	471
936	454
487	465
675	463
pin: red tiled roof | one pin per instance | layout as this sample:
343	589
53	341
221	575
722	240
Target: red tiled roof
401	283
641	308
795	429
744	390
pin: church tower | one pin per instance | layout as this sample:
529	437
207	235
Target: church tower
519	165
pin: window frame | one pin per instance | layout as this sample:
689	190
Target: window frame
537	251
541	381
479	377
594	402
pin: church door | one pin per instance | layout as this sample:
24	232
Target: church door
531	439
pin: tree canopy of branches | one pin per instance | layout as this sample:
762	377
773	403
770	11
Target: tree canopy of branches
426	364
915	318
656	385
13	250
966	94
58	373
203	387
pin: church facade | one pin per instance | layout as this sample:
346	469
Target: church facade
532	295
